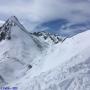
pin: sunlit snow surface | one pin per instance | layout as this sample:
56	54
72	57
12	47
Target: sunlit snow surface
65	67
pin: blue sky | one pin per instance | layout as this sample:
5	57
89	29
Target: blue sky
37	11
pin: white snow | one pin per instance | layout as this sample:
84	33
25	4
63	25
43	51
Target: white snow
17	54
64	68
68	49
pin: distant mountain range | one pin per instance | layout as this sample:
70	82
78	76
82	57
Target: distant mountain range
64	27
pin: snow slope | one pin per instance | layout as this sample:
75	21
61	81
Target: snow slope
65	67
68	49
30	62
18	53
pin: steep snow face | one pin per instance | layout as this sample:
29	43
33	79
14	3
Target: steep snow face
20	50
68	49
18	53
67	68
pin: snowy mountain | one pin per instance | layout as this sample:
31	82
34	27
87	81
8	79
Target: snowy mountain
1	23
43	61
19	51
16	55
67	68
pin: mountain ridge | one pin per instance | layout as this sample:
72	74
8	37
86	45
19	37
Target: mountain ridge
5	31
19	48
43	61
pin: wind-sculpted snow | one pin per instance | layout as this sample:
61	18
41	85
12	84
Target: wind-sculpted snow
71	74
61	78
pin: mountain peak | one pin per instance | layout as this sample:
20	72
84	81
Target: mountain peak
5	29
